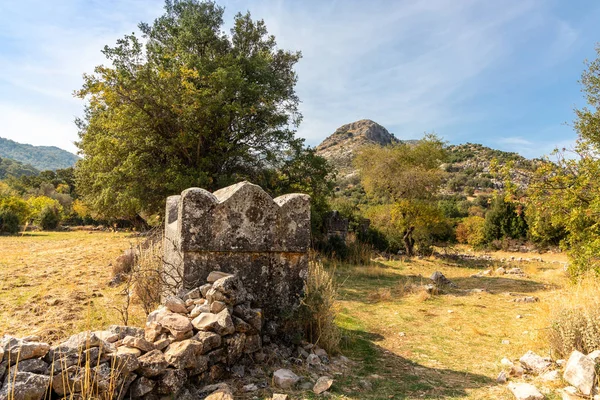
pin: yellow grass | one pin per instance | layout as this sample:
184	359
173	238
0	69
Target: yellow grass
54	284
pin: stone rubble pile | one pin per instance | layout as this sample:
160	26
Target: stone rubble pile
210	333
579	371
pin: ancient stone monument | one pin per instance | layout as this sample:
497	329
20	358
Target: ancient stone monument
241	230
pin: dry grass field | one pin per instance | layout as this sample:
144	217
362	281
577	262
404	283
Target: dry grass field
406	343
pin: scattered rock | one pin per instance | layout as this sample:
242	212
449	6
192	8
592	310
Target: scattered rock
323	384
285	379
580	372
534	362
550	376
279	396
440	280
176	305
25	386
525	391
502	378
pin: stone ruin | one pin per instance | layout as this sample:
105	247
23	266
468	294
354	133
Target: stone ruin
241	230
242	258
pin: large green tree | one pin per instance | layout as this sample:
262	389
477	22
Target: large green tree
405	178
565	196
189	105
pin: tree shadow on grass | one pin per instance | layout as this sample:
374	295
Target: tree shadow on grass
398	377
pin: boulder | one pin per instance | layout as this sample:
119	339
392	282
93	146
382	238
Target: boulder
125	363
183	355
152	364
285	379
534	362
525	391
33	365
14	349
171	382
138	343
323	384
177	324
176	305
141	386
25	386
220	323
580	372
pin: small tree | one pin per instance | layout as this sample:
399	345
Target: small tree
9	221
49	218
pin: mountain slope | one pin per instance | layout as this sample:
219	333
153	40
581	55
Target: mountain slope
468	167
14	168
40	157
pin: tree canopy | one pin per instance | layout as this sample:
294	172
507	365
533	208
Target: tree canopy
189	105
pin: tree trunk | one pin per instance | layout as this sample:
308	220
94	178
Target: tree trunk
409	242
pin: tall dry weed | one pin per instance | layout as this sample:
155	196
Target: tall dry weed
574	319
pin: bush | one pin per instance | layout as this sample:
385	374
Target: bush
317	312
49	218
9	221
574	322
471	231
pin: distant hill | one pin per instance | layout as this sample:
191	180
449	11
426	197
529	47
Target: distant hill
14	168
468	166
40	157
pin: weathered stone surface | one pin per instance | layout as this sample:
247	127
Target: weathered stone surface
25	386
33	365
199	309
253	316
214	276
525	391
176	305
323	384
220	323
17	349
152	331
231	289
208	340
252	344
222	393
162	344
183	354
217	306
279	396
235	345
285	379
152	364
138	343
125	363
107	336
177	324
171	382
241	230
580	372
123	331
534	362
141	386
69	381
126	350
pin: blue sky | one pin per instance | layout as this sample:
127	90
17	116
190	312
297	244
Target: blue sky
502	73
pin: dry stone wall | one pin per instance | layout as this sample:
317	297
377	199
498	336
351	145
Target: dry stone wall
241	230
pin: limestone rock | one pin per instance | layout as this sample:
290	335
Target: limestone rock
215	276
525	391
177	324
107	336
171	382
235	345
25	386
176	305
138	343
199	309
126	350
534	362
208	340
550	376
253	316
152	331
125	363
279	396
231	289
285	379
580	372
205	288
323	384
220	323
502	378
217	306
14	349
152	364
183	354
123	331
141	386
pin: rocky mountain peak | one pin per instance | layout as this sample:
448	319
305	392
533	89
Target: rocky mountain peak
339	148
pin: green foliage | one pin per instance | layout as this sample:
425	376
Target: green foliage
17	206
471	231
9	221
188	106
12	168
504	220
49	218
39	157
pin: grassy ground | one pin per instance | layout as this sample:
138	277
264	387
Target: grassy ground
56	283
407	345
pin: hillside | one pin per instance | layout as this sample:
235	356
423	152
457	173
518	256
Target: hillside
14	168
468	166
40	157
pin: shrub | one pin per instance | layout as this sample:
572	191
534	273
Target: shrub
574	320
317	313
49	218
9	221
471	231
17	206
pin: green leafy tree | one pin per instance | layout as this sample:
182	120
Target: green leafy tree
504	220
565	194
407	176
190	105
